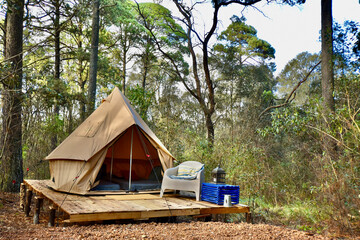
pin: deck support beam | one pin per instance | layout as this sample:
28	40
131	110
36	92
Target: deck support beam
29	194
248	217
22	196
52	214
38	203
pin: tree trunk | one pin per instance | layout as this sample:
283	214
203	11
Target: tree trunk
93	57
70	119
11	151
146	61
124	57
82	81
81	97
57	67
210	130
327	72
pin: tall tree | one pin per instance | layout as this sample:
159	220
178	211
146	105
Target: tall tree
160	25
206	96
240	57
57	30
11	144
164	38
129	33
93	56
327	65
46	22
327	71
75	38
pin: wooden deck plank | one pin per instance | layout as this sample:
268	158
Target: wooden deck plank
174	205
133	206
186	203
152	204
133	197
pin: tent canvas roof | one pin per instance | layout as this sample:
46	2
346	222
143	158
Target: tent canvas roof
105	124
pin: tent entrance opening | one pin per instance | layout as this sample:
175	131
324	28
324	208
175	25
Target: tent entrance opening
132	163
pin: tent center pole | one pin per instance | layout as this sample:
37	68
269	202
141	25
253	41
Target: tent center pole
112	161
131	149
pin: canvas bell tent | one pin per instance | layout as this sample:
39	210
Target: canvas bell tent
113	148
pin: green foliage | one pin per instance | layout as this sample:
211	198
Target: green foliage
345	45
162	32
161	18
308	172
141	100
303	215
240	39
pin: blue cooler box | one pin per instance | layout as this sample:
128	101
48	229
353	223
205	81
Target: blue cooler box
212	192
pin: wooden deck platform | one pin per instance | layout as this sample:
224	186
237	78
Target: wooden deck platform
123	206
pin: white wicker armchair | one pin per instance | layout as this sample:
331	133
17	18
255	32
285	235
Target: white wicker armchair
193	185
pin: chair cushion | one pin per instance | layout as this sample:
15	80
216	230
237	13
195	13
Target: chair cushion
187	172
191	177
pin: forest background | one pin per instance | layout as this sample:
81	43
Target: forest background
290	142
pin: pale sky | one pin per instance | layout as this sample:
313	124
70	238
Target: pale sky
292	30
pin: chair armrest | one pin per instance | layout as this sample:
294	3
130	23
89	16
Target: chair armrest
171	171
201	175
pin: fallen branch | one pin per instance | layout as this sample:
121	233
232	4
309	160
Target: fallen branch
292	95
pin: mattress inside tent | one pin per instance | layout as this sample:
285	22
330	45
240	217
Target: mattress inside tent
117	184
121	184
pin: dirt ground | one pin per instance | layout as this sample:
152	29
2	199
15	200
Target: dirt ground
14	225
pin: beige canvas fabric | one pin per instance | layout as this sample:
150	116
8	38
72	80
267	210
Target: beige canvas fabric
75	163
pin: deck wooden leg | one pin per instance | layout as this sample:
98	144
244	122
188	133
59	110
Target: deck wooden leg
248	217
208	218
28	202
52	215
22	196
38	203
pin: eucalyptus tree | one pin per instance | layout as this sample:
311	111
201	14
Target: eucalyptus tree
163	36
93	56
240	56
76	40
199	43
11	80
126	33
327	65
46	22
206	96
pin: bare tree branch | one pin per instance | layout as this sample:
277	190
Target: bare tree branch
291	96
